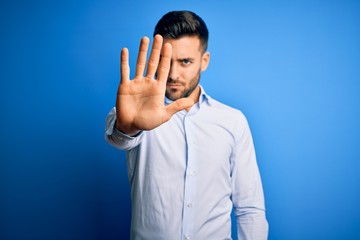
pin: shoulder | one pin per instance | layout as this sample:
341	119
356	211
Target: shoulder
225	110
225	117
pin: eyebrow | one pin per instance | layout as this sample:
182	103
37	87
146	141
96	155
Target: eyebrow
182	59
186	58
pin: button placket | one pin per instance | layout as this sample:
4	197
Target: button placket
188	223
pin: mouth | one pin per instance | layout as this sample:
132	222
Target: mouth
173	84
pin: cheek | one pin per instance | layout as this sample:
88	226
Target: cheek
191	72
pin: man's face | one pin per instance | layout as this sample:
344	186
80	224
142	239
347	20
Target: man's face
187	62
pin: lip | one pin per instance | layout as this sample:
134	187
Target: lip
173	85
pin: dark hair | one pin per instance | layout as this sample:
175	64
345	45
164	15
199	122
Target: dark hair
177	24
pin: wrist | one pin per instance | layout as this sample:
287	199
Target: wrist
126	130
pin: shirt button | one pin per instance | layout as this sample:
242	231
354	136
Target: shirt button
189	204
187	237
192	173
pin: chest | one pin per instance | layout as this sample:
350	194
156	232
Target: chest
190	143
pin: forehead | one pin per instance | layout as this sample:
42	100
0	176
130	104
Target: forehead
185	46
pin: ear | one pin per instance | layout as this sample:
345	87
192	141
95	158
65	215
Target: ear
205	59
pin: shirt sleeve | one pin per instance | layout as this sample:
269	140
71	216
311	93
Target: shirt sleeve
247	191
118	139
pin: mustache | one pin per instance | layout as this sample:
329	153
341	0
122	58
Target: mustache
172	81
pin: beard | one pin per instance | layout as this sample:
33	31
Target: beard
177	94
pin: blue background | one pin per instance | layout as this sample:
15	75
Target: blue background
292	67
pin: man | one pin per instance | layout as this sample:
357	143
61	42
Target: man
190	158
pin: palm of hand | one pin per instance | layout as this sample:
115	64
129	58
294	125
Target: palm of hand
141	103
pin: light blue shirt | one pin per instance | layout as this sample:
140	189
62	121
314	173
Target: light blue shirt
187	175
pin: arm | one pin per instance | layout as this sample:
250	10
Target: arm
247	196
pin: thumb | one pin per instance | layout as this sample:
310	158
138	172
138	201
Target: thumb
176	106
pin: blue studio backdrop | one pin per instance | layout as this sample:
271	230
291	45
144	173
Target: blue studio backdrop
292	67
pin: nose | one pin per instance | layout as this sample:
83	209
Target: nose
174	73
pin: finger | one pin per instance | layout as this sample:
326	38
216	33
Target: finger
164	65
141	60
124	66
176	106
154	56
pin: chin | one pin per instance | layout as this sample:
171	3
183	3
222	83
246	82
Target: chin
173	97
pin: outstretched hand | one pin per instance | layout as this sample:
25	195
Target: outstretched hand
140	102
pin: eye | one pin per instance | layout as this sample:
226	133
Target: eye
186	61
